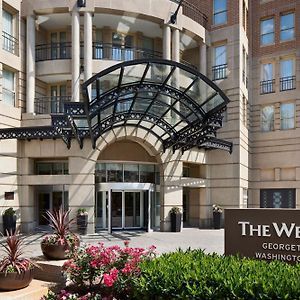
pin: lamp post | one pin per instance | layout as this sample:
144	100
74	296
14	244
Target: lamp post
174	16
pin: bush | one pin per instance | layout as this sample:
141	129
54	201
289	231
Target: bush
96	272
195	275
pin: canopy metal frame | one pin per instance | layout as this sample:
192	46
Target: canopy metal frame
179	106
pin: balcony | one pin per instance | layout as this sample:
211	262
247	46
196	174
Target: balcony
49	105
267	86
10	43
287	83
55	51
219	72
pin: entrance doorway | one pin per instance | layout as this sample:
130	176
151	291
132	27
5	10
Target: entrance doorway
127	208
48	199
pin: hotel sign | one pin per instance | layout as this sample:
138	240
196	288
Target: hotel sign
268	234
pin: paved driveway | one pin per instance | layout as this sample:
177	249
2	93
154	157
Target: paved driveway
209	240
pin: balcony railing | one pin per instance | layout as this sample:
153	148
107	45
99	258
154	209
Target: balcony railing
56	51
48	105
287	83
267	86
10	43
192	11
122	53
53	51
219	72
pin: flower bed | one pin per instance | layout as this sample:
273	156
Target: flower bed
96	272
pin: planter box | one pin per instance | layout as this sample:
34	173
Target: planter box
82	224
9	224
217	220
176	222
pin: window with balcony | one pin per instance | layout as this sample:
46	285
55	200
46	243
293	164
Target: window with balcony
8	88
53	103
220	12
219	70
268	82
267	118
10	42
267	31
287	27
122	47
287	75
287	116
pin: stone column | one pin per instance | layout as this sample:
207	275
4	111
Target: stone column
167	42
203	59
176	57
30	65
75	56
88	45
175	45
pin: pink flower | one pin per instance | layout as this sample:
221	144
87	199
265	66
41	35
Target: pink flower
110	278
126	243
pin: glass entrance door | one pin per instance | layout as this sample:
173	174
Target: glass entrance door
116	209
127	209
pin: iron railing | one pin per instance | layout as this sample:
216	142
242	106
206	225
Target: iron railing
219	72
267	86
48	105
122	53
10	43
56	51
192	11
287	83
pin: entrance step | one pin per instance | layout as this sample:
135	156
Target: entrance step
34	291
50	270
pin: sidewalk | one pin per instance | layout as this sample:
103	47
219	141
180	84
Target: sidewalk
210	240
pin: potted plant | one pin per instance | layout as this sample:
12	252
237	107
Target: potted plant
217	212
9	221
62	240
15	272
175	219
82	220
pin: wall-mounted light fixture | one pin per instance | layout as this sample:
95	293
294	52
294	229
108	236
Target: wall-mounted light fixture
81	3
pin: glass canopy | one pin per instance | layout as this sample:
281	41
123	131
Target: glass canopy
179	106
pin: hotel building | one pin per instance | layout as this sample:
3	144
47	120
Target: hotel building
129	108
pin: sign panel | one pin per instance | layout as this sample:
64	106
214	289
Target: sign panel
268	234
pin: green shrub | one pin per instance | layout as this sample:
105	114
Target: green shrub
192	274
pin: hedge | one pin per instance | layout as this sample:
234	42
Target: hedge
192	274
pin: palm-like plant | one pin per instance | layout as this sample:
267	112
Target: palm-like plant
13	248
60	223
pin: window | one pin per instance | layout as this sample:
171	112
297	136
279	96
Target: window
59	47
287	116
220	62
245	198
267	83
287	27
10	43
51	168
9	94
267	118
220	12
267	31
278	198
287	77
122	47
